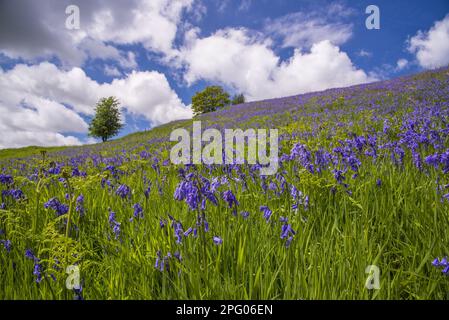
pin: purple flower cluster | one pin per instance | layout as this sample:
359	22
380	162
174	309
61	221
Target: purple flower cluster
16	194
266	212
115	226
6	179
231	200
287	231
163	263
57	206
123	191
138	212
443	263
80	205
37	270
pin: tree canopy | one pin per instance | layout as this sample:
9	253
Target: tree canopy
238	99
106	122
210	99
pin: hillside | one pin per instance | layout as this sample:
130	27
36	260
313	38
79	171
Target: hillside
362	181
278	110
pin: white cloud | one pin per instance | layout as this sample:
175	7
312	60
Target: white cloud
34	31
152	23
432	47
364	53
148	93
401	64
303	29
247	63
245	5
17	139
112	71
44	102
222	5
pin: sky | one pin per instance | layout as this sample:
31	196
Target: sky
154	55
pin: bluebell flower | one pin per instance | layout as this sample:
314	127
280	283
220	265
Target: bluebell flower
37	270
115	226
230	198
244	214
17	194
444	264
30	255
338	174
188	191
217	240
283	219
78	293
123	191
147	191
80	205
138	211
6	179
189	231
177	255
7	245
57	206
266	212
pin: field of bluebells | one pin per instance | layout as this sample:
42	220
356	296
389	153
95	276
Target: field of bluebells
363	180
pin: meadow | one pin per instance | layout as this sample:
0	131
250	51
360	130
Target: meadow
363	180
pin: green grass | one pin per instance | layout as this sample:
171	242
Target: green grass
400	226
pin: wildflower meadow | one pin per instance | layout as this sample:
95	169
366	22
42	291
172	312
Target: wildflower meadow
362	180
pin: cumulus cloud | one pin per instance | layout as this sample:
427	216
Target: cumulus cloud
35	30
304	29
432	47
42	102
247	63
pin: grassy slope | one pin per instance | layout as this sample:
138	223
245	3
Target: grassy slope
399	225
165	129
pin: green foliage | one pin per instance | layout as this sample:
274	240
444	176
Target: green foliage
106	122
210	99
238	99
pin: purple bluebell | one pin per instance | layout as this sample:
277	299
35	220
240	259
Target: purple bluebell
115	226
266	212
7	245
244	214
123	191
188	232
6	179
80	205
138	211
217	240
57	206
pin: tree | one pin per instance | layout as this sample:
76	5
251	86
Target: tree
106	122
238	99
210	99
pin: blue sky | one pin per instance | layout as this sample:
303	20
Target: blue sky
155	54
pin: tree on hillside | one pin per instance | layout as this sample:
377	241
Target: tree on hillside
210	99
106	122
238	99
